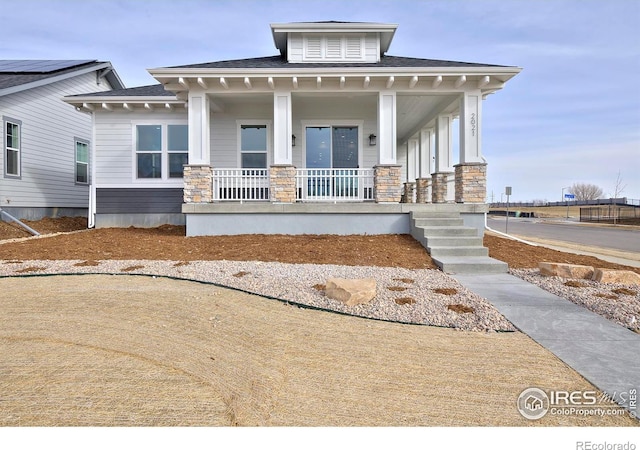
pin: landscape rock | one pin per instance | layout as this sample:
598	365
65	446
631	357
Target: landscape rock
351	292
616	276
565	270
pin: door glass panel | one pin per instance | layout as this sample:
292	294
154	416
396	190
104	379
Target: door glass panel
318	147
345	147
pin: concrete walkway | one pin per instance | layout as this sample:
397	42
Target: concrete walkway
606	354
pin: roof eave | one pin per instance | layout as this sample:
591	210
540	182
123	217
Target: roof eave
280	31
56	78
294	71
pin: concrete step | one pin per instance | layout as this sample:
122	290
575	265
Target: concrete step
444	241
470	265
457	250
447	231
434	215
438	222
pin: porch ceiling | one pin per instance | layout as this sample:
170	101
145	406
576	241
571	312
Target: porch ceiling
414	111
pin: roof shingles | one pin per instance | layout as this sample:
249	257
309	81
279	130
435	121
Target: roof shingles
280	62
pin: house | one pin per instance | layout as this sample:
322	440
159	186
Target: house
331	135
45	166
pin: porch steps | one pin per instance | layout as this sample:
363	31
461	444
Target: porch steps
454	248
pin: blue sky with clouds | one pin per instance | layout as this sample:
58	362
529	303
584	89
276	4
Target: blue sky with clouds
572	114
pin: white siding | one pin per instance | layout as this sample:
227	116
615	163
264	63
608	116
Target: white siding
326	110
224	131
49	127
114	145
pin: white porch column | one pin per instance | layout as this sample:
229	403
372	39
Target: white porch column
444	150
470	127
426	152
387	128
282	127
444	163
199	135
413	160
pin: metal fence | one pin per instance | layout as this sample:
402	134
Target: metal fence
622	201
611	214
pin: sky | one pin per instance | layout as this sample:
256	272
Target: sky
571	116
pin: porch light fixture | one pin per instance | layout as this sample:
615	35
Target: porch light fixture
372	139
293	140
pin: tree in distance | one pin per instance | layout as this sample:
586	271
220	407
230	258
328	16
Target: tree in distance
586	191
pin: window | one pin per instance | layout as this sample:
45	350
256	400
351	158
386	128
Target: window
161	150
178	148
253	146
12	152
149	151
82	161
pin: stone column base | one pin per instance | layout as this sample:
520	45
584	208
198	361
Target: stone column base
409	190
471	182
422	190
198	183
387	186
282	184
439	187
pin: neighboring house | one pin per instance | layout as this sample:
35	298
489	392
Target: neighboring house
45	165
330	136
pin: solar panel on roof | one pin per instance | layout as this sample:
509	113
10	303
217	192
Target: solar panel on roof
39	65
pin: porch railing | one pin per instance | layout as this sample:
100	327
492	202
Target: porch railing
334	185
237	185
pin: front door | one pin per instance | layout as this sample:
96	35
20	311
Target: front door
332	157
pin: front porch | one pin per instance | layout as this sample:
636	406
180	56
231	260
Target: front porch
288	184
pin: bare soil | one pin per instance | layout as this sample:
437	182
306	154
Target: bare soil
141	351
159	352
170	243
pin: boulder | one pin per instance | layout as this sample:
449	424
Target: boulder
616	276
565	270
351	291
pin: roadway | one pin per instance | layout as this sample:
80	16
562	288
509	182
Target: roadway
618	243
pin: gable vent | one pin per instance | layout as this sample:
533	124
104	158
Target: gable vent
353	48
313	49
334	47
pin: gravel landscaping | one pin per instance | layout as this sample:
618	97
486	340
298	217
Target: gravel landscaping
419	296
617	302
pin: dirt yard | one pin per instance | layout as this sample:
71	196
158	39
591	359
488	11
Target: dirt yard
170	243
140	351
105	350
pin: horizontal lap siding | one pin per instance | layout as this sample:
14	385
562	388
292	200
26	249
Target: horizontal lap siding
139	201
329	110
224	131
49	127
115	141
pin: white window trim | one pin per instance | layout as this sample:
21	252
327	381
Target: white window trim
164	180
6	149
239	152
76	141
330	124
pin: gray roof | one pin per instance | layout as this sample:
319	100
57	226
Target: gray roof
153	90
20	72
280	62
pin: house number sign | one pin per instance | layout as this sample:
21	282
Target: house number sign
473	124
